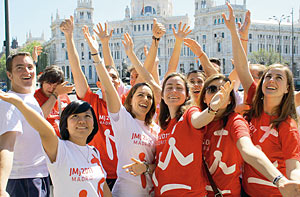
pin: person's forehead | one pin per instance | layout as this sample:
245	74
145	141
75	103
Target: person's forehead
112	71
144	89
195	76
217	82
21	59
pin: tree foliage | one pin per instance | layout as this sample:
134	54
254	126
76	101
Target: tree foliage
264	57
3	68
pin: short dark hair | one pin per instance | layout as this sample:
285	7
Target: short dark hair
215	60
52	74
11	57
76	107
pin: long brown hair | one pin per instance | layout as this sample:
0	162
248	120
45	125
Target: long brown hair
164	113
286	107
128	101
230	107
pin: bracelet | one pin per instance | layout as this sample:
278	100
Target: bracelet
156	39
201	55
147	168
211	111
246	40
276	179
93	54
53	94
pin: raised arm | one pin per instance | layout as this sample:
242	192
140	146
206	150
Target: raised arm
154	69
112	97
201	119
60	89
40	124
143	73
243	31
149	64
37	50
81	85
239	55
104	38
179	35
208	68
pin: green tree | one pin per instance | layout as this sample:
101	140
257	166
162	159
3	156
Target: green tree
264	57
3	68
42	59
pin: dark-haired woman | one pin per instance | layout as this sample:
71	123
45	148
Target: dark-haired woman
134	129
74	166
273	122
179	148
196	80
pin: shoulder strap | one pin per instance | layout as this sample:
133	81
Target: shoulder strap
216	190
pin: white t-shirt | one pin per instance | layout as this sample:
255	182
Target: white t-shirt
29	159
133	139
76	171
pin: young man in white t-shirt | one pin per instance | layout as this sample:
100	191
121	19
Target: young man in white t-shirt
23	169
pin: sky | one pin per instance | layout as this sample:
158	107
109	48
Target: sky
35	15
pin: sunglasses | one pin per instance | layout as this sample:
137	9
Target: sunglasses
212	89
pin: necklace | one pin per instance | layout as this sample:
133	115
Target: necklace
88	151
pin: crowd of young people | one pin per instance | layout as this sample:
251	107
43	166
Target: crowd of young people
192	135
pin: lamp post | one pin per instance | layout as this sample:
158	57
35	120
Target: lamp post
7	52
279	20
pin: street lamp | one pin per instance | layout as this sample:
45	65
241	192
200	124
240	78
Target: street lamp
279	20
7	38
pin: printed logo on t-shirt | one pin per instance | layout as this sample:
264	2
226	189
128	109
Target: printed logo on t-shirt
141	139
103	119
162	138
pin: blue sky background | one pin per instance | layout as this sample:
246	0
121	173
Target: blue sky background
35	15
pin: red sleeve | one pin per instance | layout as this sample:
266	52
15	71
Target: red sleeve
189	114
251	93
290	139
238	128
39	97
88	97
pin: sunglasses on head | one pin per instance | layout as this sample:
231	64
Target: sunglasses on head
212	89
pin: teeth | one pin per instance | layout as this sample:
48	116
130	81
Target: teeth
143	105
272	88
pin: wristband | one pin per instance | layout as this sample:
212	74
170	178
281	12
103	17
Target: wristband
246	40
147	168
156	39
93	54
200	55
53	94
211	111
276	179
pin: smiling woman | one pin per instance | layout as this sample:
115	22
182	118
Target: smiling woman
66	157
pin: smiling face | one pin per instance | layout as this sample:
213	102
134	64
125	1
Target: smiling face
174	93
212	89
133	76
275	83
80	126
22	75
196	83
141	102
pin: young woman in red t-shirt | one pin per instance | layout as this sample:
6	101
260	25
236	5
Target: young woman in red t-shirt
272	119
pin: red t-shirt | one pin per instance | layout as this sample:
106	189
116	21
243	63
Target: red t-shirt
179	164
104	139
222	155
54	117
278	145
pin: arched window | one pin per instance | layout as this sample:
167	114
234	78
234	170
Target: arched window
90	72
148	9
83	69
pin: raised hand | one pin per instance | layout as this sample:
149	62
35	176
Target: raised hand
146	50
128	43
137	168
182	32
230	21
243	29
63	88
158	29
222	97
10	98
37	50
91	40
194	46
67	26
103	34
